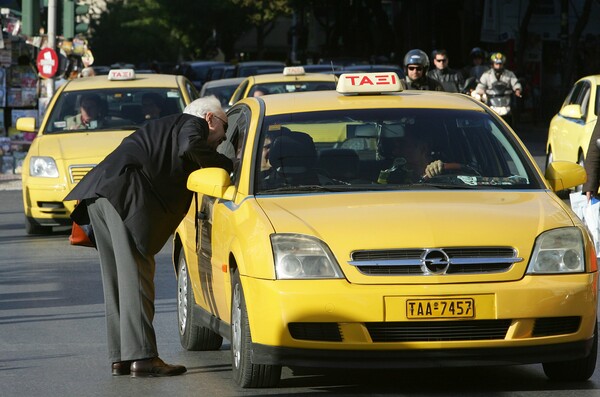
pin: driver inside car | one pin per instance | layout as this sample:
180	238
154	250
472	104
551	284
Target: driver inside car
406	155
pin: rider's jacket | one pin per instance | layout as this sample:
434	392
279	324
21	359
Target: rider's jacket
451	79
491	76
424	83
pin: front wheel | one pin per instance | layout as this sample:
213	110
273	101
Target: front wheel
245	373
574	370
34	228
192	335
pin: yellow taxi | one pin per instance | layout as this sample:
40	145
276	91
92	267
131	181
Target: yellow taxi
293	79
379	228
67	147
570	130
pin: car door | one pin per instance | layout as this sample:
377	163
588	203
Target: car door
212	269
570	132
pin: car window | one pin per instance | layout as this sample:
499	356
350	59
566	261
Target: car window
597	104
239	92
239	121
118	109
574	94
585	98
191	90
354	151
223	92
300	86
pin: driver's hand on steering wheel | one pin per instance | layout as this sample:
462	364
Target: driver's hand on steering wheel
434	168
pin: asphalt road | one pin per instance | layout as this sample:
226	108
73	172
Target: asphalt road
53	339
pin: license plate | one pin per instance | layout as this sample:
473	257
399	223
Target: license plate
440	308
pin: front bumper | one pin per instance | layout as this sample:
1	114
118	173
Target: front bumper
43	201
335	323
419	358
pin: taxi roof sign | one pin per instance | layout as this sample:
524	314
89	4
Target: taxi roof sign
365	83
121	74
293	71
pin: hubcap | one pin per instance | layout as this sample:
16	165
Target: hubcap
182	289
236	326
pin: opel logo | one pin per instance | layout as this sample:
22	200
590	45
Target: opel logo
434	261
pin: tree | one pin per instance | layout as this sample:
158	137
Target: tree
122	31
164	30
262	14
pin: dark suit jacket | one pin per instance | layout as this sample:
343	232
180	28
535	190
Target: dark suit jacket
592	163
145	178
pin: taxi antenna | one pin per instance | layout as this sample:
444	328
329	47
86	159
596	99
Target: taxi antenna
333	72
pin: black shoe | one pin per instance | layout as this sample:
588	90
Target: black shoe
155	367
121	368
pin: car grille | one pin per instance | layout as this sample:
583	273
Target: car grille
434	331
411	262
77	172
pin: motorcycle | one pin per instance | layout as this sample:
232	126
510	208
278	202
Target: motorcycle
499	99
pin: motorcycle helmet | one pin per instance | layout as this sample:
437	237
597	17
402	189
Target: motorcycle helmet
477	52
498	57
416	57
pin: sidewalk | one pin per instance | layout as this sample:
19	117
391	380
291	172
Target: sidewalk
10	181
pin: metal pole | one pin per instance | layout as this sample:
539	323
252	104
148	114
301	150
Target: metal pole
52	7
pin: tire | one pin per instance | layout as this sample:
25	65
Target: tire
34	228
192	335
245	373
549	159
575	370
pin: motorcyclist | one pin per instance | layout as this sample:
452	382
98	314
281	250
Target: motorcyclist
477	67
451	79
498	73
416	64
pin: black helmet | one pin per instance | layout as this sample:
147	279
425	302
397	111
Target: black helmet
477	52
416	57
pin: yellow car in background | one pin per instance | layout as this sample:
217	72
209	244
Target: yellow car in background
570	130
64	151
293	79
330	246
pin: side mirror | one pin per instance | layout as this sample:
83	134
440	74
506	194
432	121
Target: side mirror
572	111
598	143
26	124
214	182
564	174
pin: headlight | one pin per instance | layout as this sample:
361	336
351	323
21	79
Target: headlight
558	251
299	257
44	167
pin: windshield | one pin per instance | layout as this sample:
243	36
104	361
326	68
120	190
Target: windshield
389	149
111	109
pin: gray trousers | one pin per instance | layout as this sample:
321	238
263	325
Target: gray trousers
128	279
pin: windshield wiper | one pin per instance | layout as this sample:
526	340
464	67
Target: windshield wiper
306	188
446	185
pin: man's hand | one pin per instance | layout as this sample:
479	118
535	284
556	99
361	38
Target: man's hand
434	168
518	93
